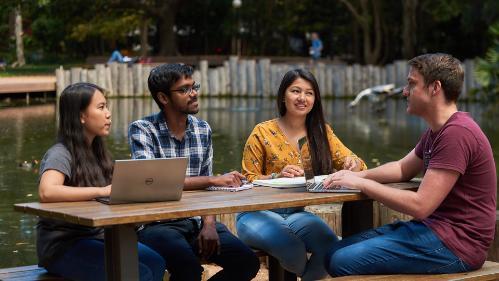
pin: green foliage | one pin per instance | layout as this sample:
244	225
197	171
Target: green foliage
487	69
106	27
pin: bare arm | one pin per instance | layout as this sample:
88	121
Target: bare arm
52	189
397	171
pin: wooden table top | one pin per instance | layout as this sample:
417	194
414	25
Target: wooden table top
193	203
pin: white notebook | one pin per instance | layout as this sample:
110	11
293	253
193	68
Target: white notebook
230	188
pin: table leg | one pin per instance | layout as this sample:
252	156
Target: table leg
122	262
356	216
277	272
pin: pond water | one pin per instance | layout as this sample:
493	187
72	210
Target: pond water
26	132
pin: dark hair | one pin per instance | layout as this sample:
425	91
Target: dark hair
162	78
91	165
444	68
315	123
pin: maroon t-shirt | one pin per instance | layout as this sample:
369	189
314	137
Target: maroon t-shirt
465	221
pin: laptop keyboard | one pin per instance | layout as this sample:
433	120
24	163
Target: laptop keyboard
319	187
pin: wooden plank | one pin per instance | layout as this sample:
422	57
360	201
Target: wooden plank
27	84
193	203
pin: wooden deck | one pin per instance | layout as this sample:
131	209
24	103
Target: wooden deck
27	84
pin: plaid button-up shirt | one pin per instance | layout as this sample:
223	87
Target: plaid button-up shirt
150	138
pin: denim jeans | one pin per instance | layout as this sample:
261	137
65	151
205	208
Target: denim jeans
177	243
401	247
85	261
289	236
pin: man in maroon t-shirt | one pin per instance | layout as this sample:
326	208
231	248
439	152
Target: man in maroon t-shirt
455	205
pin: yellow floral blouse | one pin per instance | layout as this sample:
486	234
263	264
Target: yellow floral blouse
267	151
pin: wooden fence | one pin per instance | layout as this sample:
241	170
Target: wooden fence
249	77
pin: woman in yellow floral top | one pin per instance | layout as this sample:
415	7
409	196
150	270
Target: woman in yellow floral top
271	151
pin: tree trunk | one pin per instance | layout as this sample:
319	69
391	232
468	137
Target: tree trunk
144	37
19	37
409	28
167	37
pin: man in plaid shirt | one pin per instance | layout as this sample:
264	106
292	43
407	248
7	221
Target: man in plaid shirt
175	132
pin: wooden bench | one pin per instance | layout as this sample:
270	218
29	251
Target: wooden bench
489	271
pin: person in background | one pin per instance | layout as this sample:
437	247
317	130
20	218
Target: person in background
316	47
454	208
176	132
78	168
271	151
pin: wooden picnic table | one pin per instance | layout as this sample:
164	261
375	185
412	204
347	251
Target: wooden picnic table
119	221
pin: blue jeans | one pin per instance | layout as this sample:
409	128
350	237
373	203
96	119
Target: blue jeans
115	57
289	237
401	247
177	243
85	261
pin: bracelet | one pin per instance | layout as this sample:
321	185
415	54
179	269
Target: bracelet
274	175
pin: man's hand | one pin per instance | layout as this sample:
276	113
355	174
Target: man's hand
209	242
344	178
233	179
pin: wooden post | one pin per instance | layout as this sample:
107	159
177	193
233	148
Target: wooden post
84	75
214	87
145	76
349	83
196	76
390	74
101	76
328	92
109	82
233	70
227	76
114	77
203	68
222	80
251	71
60	81
75	75
357	78
264	76
321	76
130	81
138	83
67	77
122	80
92	76
401	73
243	77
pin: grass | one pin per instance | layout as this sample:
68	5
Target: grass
33	69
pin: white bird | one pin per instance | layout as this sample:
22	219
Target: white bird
373	92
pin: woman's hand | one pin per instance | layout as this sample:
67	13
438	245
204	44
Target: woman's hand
352	164
291	171
105	191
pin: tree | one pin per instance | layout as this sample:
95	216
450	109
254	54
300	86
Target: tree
19	37
369	20
409	29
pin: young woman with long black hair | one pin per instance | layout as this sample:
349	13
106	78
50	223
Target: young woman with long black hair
78	168
271	151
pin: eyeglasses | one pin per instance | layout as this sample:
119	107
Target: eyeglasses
188	90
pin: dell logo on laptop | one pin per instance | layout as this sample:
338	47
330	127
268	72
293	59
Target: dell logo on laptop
149	181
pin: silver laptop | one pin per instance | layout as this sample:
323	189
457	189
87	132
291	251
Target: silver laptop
310	179
147	180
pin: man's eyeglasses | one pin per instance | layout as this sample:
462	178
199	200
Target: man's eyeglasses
188	90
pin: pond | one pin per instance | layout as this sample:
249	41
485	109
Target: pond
26	132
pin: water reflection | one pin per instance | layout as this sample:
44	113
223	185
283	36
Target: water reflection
27	132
